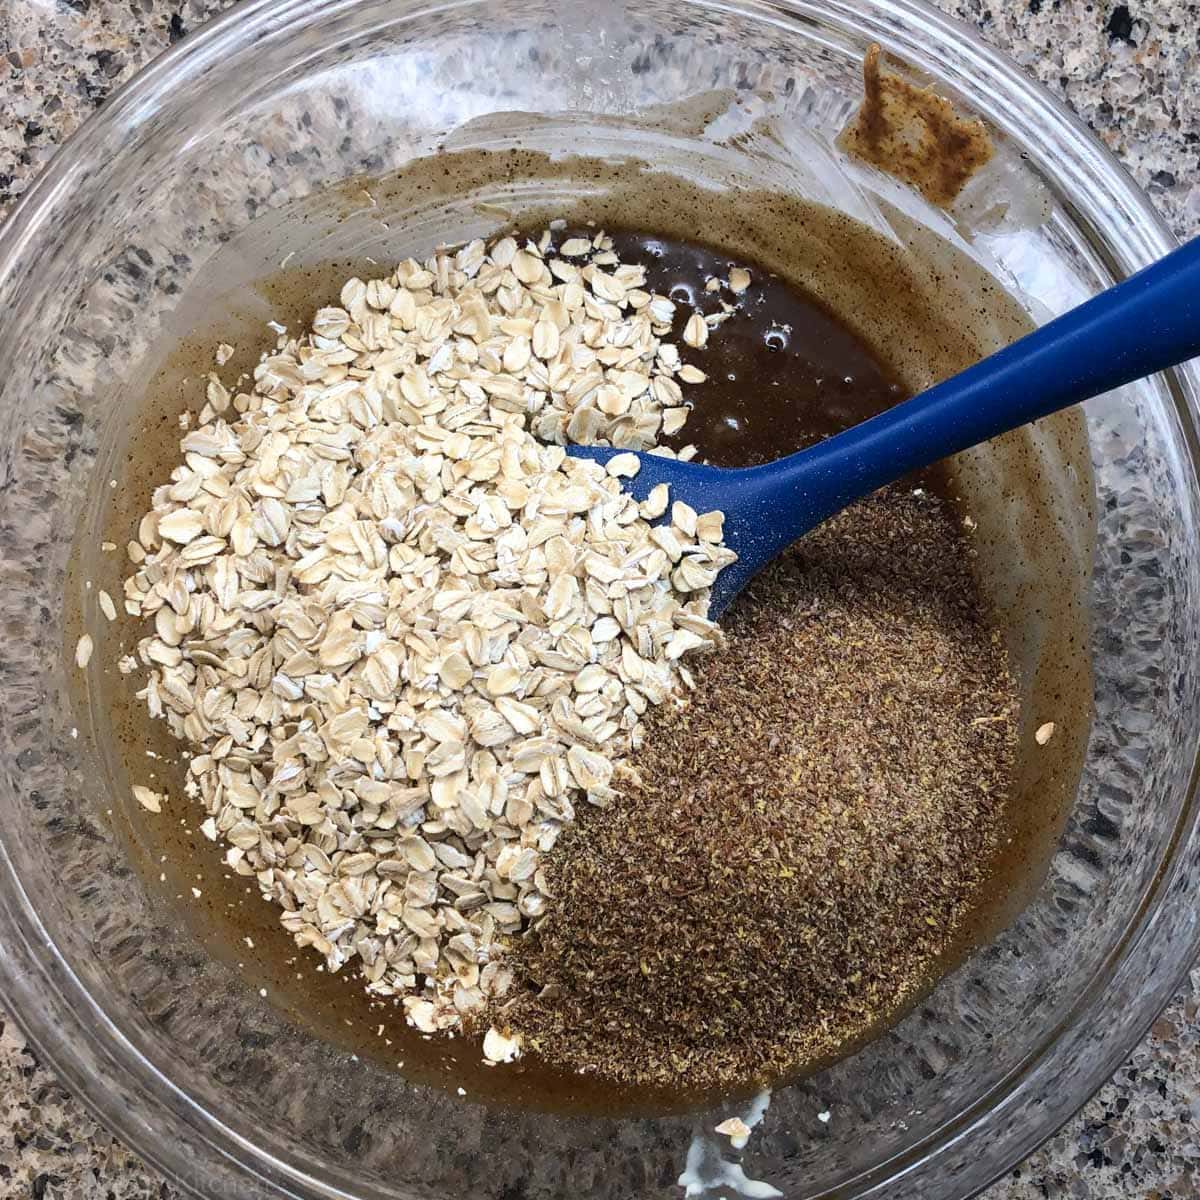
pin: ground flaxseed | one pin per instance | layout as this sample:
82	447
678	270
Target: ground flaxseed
809	832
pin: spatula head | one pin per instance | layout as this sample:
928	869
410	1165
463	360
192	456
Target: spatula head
706	489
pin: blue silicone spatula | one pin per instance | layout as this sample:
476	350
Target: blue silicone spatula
1145	324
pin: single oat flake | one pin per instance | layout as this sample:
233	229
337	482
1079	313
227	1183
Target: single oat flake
150	800
736	1130
499	1047
739	280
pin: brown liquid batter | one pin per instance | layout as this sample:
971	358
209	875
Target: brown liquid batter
782	372
778	373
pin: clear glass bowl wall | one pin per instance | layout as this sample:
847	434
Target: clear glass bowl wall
281	98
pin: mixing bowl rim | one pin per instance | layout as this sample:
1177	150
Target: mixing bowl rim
47	998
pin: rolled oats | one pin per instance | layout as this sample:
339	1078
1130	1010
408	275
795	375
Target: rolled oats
403	633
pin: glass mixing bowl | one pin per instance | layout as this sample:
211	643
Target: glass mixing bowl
108	254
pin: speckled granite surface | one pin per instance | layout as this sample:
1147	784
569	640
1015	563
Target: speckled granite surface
1133	72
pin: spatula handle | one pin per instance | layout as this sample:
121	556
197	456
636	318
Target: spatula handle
1149	322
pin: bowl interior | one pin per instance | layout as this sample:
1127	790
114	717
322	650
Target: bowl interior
291	130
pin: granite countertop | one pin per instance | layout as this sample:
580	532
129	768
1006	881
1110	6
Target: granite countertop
1133	72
